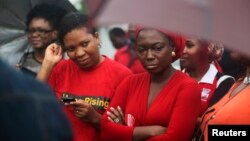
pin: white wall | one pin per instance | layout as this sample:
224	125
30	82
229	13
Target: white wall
106	45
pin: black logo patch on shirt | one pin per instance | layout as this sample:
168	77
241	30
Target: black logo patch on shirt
98	102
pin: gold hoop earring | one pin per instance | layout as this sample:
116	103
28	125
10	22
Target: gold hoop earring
173	54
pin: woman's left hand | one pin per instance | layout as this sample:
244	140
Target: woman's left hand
116	115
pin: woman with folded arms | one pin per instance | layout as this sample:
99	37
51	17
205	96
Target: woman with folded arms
160	104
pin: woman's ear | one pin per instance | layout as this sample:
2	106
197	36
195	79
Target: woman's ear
96	35
173	53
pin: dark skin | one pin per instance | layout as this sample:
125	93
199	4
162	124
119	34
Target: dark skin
118	42
156	58
39	41
82	48
195	58
155	55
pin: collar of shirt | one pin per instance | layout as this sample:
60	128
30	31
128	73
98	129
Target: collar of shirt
210	75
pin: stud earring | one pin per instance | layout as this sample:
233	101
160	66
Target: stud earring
99	46
173	54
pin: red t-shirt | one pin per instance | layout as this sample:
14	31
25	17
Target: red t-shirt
177	107
122	56
94	86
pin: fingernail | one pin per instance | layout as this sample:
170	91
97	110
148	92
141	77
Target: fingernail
110	119
111	108
118	107
108	113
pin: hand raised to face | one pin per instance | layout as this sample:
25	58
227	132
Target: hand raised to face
53	53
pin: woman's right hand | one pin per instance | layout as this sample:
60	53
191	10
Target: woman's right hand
145	132
86	112
157	130
53	53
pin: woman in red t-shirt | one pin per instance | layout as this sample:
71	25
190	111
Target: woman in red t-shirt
86	77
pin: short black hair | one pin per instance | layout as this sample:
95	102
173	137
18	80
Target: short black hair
71	21
51	13
116	31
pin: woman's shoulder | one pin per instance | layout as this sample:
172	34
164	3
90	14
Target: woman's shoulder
224	78
186	84
135	80
183	81
184	78
64	64
139	77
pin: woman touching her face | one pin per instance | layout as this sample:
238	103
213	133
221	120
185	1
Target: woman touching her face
87	78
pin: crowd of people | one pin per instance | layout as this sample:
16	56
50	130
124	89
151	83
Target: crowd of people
139	95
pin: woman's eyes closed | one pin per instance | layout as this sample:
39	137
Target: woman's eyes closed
158	47
140	49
